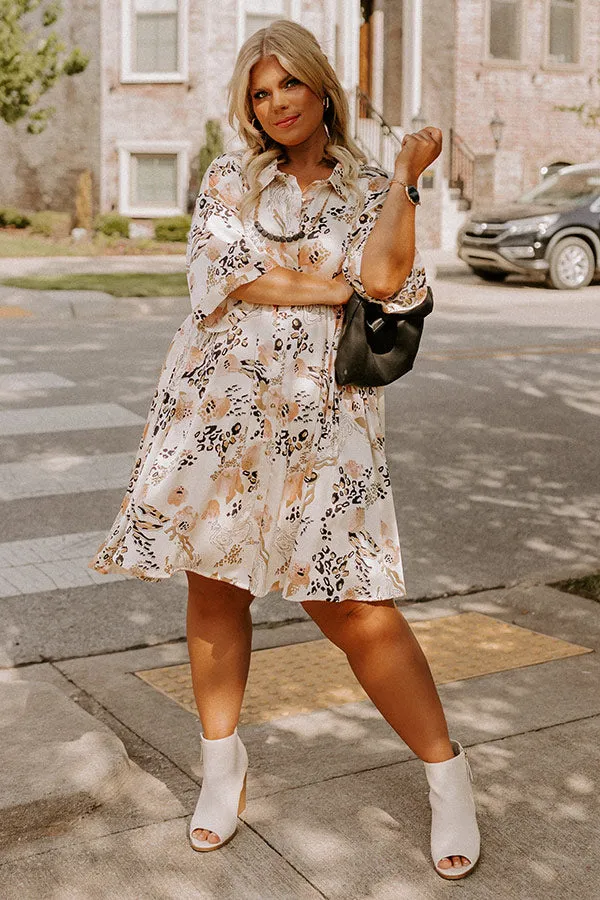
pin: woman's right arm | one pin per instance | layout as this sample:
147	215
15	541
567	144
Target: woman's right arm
225	267
287	287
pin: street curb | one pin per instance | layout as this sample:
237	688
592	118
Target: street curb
452	271
56	304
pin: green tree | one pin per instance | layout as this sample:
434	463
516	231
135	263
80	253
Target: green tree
30	62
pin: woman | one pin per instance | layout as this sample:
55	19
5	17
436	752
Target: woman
256	472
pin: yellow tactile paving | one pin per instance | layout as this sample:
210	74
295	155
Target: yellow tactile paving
299	678
14	312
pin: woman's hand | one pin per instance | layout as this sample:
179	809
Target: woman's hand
419	150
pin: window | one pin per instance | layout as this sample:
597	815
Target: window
155	36
260	14
504	40
562	42
154	46
256	14
153	178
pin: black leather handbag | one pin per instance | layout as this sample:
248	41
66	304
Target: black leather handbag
375	347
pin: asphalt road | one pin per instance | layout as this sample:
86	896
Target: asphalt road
493	438
492	443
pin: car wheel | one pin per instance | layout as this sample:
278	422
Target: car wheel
572	264
490	274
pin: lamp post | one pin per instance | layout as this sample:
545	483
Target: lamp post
497	126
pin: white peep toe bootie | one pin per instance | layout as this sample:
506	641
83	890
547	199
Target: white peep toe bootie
454	829
223	793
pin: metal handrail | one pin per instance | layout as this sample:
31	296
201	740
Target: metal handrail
462	167
373	134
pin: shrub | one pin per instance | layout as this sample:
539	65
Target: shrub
9	215
83	201
112	223
175	228
51	223
212	148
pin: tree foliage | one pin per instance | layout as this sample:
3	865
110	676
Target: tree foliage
588	113
30	61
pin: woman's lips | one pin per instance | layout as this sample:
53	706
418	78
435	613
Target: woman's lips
287	122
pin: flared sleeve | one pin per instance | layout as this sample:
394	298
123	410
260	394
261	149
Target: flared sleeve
220	255
414	289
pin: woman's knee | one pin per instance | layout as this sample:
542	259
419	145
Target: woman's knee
211	594
352	621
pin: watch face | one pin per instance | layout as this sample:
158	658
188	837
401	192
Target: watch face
413	193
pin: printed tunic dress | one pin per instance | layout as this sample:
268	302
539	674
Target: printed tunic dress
255	467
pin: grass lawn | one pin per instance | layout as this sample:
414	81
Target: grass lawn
588	586
119	284
19	242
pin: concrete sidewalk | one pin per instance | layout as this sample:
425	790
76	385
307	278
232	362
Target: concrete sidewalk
337	803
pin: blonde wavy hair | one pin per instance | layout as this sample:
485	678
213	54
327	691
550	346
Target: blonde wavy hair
299	53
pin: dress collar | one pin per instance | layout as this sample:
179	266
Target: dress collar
335	179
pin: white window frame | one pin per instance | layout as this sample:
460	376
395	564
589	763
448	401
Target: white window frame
180	149
504	63
549	62
295	15
128	76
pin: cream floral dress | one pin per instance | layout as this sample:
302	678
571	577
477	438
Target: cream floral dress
254	466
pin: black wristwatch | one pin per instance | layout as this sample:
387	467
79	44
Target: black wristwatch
410	190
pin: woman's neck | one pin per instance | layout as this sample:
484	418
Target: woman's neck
307	156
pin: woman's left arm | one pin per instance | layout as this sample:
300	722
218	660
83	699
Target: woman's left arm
383	263
380	260
389	252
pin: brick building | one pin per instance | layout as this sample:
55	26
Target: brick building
464	63
158	70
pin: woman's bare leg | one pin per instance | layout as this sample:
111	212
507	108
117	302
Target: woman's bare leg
392	669
219	638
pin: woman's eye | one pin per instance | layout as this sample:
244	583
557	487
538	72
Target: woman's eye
290	81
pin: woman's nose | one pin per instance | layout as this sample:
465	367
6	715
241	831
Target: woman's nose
279	101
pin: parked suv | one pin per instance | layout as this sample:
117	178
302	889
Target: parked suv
552	230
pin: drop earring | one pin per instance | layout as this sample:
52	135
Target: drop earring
325	107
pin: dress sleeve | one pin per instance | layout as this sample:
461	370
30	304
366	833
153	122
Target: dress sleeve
414	289
220	256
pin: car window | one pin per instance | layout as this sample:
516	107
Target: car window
565	186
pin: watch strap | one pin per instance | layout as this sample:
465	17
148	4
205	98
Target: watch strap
406	191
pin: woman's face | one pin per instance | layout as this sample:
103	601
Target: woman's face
278	96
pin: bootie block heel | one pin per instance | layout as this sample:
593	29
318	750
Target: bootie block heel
454	829
223	793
